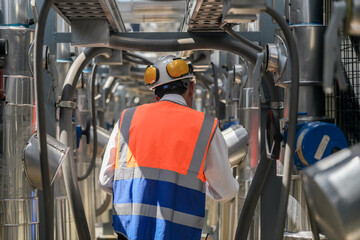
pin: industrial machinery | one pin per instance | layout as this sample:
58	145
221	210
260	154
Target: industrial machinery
264	68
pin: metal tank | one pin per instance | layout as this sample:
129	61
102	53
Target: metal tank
19	210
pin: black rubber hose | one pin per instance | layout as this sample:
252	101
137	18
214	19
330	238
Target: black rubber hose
290	144
216	92
252	198
216	42
134	60
134	55
232	33
104	205
39	85
275	92
93	119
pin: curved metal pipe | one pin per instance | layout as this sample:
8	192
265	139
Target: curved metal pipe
219	42
69	168
290	144
39	86
93	118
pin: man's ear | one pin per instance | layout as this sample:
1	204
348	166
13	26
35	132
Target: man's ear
157	98
191	88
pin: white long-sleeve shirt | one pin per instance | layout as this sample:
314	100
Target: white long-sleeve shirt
220	183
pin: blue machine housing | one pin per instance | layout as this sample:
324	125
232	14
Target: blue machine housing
315	141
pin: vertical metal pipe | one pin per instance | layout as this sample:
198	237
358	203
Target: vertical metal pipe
64	222
19	216
66	137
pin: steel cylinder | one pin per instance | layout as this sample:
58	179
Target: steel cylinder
236	139
19	41
19	215
311	102
309	40
304	11
62	49
14	12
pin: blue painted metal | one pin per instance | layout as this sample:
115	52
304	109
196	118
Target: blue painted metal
317	140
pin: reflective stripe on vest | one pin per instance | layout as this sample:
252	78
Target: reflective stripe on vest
168	192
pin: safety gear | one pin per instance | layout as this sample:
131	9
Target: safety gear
159	184
167	69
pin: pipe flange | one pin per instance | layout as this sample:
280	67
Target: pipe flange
283	57
272	58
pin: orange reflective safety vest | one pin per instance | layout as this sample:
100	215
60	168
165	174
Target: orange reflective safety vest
159	184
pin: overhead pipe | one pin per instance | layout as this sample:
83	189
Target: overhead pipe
215	41
66	109
40	104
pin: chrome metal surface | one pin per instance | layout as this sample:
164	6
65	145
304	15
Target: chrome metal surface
18	200
272	58
332	187
309	41
72	10
304	235
282	53
236	138
354	24
14	12
102	137
65	226
205	15
304	11
62	49
297	213
311	102
56	154
19	90
19	40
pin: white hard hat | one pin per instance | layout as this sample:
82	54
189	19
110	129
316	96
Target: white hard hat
167	69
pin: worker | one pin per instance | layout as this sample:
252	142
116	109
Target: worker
161	159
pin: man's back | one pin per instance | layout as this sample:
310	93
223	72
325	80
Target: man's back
159	190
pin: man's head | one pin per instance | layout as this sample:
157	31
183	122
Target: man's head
171	75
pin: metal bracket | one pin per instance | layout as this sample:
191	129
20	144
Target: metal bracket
332	62
67	104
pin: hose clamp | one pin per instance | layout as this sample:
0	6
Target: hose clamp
67	104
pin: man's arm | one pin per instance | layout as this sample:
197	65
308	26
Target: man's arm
220	183
106	177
